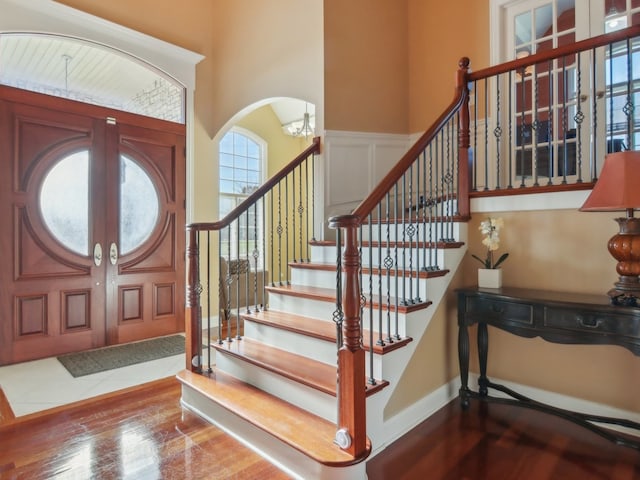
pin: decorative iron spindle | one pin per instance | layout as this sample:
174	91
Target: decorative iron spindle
475	136
388	265
256	256
301	214
286	230
486	135
293	216
380	330
338	314
549	134
279	231
410	229
578	118
628	106
209	301
404	240
510	109
565	126
593	173
497	133
534	129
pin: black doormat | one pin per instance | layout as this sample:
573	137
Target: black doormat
107	358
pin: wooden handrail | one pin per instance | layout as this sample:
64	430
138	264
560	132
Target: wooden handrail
379	192
558	52
260	192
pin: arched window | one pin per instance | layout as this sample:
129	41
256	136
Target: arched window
242	158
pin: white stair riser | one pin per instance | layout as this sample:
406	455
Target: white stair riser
310	399
421	232
324	311
403	258
311	347
314	348
406	287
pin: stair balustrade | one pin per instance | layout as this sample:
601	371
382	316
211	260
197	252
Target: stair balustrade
252	246
542	123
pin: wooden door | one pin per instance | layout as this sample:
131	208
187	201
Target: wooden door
61	291
145	295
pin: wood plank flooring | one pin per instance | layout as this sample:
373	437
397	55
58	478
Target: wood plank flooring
139	433
502	442
144	433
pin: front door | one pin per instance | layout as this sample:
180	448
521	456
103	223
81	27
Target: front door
92	210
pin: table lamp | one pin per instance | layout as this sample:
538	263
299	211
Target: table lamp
618	189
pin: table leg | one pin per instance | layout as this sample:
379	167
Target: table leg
463	359
483	350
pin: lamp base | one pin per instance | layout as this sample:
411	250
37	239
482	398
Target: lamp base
624	299
625	247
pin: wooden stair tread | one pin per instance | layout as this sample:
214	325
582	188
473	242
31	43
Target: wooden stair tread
331	267
313	327
6	412
318	375
391	244
329	295
288	423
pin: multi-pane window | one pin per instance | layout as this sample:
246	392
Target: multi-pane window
241	173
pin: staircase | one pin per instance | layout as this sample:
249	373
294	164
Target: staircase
275	387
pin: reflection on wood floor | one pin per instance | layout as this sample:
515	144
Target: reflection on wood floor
143	433
139	433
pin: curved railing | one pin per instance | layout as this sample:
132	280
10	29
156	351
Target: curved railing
254	244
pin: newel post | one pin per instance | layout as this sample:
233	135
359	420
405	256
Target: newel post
351	356
464	161
193	310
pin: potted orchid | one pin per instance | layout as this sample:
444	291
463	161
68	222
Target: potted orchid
491	276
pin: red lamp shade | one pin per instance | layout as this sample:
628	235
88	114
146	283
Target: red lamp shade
618	188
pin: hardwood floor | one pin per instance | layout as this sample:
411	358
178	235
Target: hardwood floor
139	433
144	433
502	442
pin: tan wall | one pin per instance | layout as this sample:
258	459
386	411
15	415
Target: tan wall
366	65
366	78
563	250
440	33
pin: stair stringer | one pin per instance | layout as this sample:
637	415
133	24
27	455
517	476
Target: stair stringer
383	431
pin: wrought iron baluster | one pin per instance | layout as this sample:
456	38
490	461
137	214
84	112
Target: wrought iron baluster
486	135
593	172
209	299
578	118
388	264
404	240
475	135
550	137
256	256
247	254
379	269
293	216
338	314
565	126
279	230
410	229
286	230
395	251
300	213
497	132
629	107
534	126
510	143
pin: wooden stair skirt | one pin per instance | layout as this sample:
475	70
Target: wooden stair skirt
290	437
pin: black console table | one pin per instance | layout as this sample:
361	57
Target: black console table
557	317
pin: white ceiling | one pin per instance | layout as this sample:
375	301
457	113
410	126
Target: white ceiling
95	74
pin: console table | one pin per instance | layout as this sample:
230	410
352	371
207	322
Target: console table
557	317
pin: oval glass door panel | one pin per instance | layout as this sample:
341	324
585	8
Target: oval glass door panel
139	205
64	202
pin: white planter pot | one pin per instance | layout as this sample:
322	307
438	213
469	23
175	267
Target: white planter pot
489	277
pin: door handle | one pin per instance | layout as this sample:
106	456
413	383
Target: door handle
97	254
113	253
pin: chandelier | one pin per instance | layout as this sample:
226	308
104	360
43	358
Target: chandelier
300	128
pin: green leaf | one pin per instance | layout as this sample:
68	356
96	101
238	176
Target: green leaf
502	258
483	262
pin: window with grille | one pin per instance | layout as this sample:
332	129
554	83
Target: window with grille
241	173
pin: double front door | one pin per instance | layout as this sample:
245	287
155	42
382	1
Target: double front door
92	237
